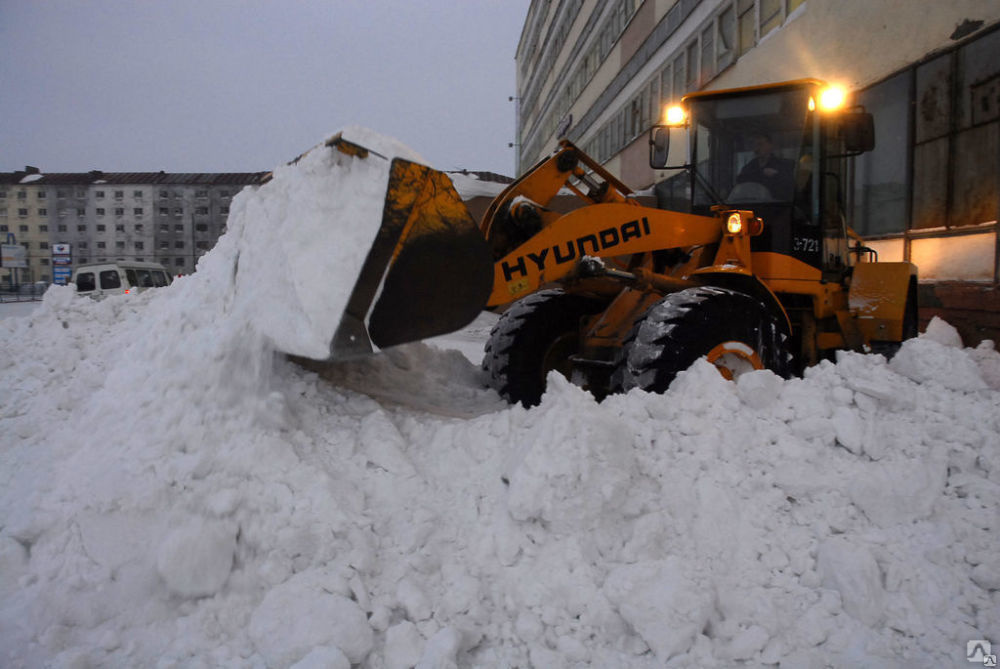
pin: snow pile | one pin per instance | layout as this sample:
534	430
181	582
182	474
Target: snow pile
174	494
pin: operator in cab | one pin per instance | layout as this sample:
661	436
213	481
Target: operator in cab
768	169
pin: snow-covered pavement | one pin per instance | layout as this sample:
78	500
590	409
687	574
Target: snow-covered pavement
174	493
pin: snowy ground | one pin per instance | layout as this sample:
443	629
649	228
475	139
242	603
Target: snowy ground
174	493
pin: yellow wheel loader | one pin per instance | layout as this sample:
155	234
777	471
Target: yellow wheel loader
742	256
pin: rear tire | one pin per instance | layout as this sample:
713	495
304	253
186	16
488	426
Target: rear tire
536	335
735	331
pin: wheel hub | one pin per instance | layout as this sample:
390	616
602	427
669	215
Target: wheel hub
734	358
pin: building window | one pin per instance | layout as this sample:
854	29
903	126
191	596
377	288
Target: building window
139	246
119	211
43	228
22	213
44	261
99	194
164	211
3	195
137	194
119	245
3	228
43	212
22	228
178	212
79	228
137	211
101	227
120	227
119	194
100	211
164	244
61	227
201	211
22	195
81	211
224	210
102	245
138	227
3	211
204	246
164	193
201	227
178	244
42	195
43	245
201	193
179	262
178	227
164	227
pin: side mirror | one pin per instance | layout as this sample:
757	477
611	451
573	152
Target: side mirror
659	147
858	131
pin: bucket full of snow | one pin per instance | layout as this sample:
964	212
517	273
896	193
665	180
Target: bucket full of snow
392	254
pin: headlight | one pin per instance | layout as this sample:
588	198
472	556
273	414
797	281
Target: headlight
734	224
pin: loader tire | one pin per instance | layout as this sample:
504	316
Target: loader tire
536	335
735	331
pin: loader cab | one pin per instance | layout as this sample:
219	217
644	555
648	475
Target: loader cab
778	151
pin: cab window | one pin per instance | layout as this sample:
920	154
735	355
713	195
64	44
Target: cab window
145	280
85	282
110	279
159	279
130	275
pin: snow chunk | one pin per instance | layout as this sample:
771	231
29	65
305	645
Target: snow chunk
850	569
300	614
942	332
898	492
196	558
925	360
661	602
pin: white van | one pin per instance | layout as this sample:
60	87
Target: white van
118	277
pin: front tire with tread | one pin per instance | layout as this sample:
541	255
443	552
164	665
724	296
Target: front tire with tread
689	324
536	335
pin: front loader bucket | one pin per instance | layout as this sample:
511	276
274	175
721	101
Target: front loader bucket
429	270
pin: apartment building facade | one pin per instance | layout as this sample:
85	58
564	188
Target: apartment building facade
169	218
600	74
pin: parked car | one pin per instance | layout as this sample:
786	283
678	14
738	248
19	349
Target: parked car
115	278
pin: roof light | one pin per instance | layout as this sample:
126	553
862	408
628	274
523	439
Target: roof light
832	98
675	115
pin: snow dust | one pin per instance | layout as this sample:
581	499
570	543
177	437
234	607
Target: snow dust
175	493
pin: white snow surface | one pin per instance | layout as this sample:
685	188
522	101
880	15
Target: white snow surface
173	493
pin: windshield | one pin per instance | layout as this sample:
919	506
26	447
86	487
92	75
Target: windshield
749	148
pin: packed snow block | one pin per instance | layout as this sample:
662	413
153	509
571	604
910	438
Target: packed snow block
661	602
927	361
302	614
851	570
901	491
195	559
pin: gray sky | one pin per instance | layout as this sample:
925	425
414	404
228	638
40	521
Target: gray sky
229	86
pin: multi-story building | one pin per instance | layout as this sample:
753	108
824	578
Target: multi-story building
168	218
600	74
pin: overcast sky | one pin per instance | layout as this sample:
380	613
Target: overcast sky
237	86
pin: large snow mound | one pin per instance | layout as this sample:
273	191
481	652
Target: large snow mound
173	493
